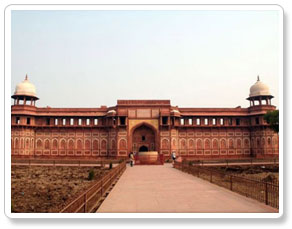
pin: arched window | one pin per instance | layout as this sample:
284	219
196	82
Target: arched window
183	144
16	143
55	144
269	142
103	144
275	142
21	143
79	144
164	144
95	144
258	143
238	143
70	144
215	144
27	143
63	144
223	144
231	145
246	143
263	142
199	144
113	144
207	144
47	144
191	144
122	144
173	142
87	144
253	143
39	144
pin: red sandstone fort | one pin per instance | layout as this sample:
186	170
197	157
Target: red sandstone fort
142	125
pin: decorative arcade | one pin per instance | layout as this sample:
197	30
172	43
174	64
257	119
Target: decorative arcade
141	126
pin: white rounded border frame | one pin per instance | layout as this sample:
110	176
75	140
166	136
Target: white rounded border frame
104	7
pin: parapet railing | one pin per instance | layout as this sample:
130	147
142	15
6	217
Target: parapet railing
243	161
87	201
266	192
62	162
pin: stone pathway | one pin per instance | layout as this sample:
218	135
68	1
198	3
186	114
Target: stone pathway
161	188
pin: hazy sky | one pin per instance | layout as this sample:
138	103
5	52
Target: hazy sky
193	58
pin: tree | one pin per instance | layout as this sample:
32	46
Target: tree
272	118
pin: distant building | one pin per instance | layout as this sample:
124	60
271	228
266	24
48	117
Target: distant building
142	125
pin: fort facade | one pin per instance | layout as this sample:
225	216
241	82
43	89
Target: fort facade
142	125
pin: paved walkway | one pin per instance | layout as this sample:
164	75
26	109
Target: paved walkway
156	188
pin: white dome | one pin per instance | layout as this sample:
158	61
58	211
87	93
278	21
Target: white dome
25	88
111	112
175	111
258	89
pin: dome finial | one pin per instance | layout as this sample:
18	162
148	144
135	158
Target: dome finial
259	89
25	88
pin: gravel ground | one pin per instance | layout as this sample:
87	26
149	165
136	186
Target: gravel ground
267	173
46	188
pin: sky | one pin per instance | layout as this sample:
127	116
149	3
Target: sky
194	58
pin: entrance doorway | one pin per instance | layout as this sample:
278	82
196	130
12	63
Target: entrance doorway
143	149
143	139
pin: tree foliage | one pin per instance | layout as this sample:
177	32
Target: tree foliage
91	175
272	118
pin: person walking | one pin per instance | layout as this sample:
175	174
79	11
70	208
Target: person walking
173	156
132	159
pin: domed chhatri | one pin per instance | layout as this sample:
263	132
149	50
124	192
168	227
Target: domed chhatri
175	112
24	93
25	88
259	94
111	113
259	89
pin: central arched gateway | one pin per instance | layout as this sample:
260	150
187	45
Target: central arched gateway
143	139
143	149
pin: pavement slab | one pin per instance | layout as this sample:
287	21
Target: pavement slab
163	189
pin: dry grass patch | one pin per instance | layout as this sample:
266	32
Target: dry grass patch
47	188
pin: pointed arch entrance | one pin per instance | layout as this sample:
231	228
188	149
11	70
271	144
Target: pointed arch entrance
144	138
143	149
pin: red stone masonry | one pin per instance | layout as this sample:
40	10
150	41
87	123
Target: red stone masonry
134	125
141	125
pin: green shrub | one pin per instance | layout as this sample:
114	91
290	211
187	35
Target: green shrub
91	175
